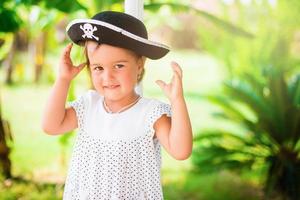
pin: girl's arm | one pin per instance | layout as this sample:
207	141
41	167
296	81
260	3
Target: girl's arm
56	118
175	134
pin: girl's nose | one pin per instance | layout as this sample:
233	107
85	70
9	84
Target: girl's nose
108	76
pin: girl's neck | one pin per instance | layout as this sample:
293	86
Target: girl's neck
120	105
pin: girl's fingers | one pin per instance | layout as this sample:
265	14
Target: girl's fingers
161	84
69	46
67	50
66	57
176	68
81	66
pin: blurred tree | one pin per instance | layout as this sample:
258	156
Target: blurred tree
11	22
38	17
5	147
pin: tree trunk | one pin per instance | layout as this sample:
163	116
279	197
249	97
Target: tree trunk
5	136
39	56
8	63
284	175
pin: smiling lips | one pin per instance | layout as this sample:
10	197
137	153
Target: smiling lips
110	86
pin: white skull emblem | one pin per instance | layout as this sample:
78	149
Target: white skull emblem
88	30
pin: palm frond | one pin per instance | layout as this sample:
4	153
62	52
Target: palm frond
294	125
231	111
281	104
266	113
216	158
219	150
294	90
245	143
243	92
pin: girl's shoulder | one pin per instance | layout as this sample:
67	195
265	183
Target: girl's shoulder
154	110
90	96
85	100
155	106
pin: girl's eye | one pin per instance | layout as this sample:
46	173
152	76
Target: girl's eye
119	66
98	68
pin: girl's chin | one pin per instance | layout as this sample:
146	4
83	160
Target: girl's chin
112	96
116	96
109	92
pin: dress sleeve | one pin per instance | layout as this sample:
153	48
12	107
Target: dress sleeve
80	106
155	113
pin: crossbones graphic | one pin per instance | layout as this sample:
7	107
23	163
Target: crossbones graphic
88	30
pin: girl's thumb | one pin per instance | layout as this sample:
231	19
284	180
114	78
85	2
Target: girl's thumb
161	84
81	66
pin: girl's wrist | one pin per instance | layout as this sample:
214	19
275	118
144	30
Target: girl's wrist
178	100
63	80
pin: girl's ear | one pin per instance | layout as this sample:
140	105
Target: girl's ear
141	70
141	63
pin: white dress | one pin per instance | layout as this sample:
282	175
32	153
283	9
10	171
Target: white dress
115	155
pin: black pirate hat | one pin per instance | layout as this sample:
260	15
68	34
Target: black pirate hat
117	29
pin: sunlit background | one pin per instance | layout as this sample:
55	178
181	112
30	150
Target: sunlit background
241	65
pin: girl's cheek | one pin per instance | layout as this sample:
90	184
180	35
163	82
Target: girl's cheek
98	86
96	79
95	74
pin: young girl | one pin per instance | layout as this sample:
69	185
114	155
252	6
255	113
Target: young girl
117	150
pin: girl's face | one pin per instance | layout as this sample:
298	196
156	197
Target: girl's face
114	70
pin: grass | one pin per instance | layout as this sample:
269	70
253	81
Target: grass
38	157
215	186
187	186
11	190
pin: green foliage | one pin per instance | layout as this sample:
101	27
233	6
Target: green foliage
22	189
203	187
9	20
269	139
28	2
8	38
184	8
66	6
106	4
261	98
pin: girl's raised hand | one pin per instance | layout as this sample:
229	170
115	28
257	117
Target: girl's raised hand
173	90
67	70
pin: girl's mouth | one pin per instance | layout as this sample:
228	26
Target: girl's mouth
111	86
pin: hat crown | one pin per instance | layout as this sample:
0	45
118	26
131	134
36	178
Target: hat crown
116	29
124	21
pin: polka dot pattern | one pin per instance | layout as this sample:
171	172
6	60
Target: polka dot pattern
116	169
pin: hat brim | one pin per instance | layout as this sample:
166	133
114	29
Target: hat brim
106	33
